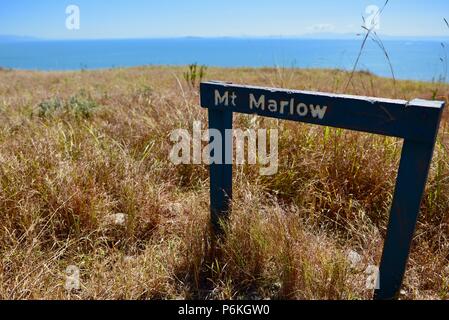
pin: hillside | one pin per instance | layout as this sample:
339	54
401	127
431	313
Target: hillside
86	181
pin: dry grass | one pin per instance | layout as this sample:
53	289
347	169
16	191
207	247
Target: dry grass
78	148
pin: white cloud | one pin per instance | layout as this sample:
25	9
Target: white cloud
322	27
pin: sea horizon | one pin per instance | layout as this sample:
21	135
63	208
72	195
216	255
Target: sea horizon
420	60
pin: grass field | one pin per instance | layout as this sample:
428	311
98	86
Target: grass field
86	181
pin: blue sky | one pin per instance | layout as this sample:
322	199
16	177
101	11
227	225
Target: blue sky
174	18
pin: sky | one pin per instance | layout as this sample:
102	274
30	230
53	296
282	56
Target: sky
107	19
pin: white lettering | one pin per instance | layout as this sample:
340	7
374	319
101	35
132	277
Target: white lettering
219	99
240	137
318	111
273	105
281	107
258	104
302	109
268	159
72	21
180	153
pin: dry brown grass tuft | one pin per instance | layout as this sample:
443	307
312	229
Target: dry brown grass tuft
86	181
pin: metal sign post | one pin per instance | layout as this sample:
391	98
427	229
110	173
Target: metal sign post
416	121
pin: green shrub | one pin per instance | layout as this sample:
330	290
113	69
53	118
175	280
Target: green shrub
80	105
49	106
195	75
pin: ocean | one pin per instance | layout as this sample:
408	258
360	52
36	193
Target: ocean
413	60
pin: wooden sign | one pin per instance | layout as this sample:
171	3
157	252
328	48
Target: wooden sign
416	121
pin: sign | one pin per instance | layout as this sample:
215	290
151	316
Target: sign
416	121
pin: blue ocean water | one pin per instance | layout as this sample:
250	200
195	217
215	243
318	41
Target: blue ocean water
415	60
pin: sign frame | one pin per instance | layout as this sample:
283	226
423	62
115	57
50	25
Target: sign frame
416	121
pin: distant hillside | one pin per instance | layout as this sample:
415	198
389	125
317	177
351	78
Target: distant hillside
353	36
315	36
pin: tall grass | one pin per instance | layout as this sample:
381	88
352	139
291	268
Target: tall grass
98	192
370	33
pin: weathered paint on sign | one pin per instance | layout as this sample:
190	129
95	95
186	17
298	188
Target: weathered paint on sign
415	121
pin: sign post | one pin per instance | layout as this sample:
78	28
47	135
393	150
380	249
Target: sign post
416	121
220	173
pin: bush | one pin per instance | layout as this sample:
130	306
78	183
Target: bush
49	106
80	105
195	75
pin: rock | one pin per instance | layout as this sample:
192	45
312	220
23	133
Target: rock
372	281
354	258
117	219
